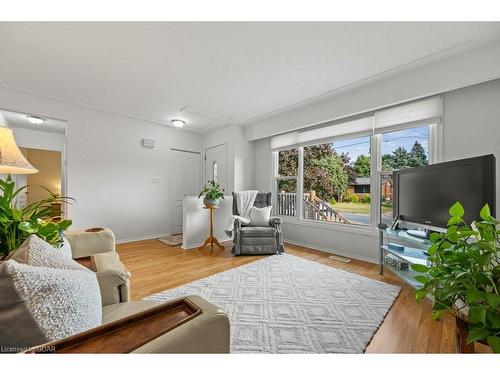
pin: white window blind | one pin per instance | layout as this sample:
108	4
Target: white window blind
359	126
308	136
423	111
284	140
427	110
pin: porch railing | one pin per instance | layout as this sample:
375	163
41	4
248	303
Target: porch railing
314	208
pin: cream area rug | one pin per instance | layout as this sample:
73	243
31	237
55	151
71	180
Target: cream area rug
287	304
174	240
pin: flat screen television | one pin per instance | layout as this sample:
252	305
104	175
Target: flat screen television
424	195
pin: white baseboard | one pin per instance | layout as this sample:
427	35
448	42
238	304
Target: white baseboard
331	251
227	239
134	239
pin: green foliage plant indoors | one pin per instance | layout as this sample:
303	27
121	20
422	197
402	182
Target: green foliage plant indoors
17	224
213	193
464	276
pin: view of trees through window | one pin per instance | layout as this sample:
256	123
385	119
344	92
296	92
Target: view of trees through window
334	175
336	184
288	168
400	149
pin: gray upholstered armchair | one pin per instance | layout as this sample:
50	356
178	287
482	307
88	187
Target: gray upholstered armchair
253	240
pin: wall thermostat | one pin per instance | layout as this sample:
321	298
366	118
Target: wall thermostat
148	143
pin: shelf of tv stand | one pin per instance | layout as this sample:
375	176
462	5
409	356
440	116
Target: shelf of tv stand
410	254
403	236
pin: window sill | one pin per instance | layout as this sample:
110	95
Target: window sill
350	228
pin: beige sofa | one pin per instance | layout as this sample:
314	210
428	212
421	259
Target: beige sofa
206	333
206	330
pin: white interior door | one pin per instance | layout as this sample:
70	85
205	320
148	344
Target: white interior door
186	181
216	165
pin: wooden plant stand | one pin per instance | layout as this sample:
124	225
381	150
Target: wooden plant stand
211	240
462	330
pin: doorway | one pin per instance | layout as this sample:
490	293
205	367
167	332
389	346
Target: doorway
49	165
216	165
43	143
186	181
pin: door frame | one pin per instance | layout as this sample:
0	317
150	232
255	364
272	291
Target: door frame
62	150
205	177
172	181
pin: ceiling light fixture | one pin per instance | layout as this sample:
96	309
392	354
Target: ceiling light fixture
178	123
35	120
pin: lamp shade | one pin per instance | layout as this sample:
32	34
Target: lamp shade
12	159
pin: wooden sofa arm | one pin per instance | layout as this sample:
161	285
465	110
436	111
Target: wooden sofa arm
127	334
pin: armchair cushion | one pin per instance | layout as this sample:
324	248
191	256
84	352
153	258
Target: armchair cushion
258	231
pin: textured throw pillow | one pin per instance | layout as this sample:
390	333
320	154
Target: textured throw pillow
41	304
259	217
37	252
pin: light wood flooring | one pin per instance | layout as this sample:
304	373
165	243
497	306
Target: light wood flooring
407	328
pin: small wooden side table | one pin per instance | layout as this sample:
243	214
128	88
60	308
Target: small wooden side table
211	239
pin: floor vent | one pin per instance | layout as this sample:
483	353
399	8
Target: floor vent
339	259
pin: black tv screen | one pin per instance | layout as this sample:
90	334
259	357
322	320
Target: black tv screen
424	195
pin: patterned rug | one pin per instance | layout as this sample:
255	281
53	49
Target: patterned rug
287	304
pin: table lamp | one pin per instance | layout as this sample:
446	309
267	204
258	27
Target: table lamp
12	160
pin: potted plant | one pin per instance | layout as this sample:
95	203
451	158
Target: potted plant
464	275
17	224
213	193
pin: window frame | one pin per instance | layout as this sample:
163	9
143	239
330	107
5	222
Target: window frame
435	148
277	177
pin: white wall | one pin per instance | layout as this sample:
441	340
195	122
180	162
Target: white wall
109	173
196	221
471	123
240	166
463	69
39	139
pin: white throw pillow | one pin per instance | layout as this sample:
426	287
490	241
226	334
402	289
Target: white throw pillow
259	217
39	253
62	302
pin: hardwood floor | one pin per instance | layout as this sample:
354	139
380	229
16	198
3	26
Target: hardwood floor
407	328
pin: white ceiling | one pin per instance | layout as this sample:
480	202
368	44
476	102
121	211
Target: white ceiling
218	73
20	120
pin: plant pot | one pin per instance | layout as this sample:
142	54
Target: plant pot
211	202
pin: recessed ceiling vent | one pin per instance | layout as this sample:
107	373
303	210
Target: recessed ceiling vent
202	119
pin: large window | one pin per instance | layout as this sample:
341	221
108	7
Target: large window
331	173
400	149
336	181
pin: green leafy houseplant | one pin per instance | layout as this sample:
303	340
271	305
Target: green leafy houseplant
464	276
213	193
17	224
